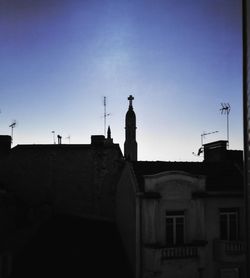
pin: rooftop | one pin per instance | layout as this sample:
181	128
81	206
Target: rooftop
220	176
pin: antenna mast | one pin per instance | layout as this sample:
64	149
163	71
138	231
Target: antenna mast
54	138
105	114
202	138
225	110
68	138
12	128
206	133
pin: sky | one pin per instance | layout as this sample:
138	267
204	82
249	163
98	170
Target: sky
179	59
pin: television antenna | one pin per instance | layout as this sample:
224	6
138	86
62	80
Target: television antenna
105	113
68	137
54	136
225	109
200	150
205	134
12	126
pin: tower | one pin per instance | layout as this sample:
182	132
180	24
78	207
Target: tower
130	145
109	140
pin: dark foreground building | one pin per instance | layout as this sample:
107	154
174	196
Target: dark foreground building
47	182
67	246
73	179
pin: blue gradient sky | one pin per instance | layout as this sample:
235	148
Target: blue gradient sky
180	60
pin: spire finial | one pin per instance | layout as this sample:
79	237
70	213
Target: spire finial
130	98
109	133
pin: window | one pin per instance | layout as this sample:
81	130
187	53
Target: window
229	224
175	226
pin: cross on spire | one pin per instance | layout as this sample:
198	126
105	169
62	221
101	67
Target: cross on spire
130	98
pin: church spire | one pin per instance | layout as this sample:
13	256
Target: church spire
130	145
109	133
109	140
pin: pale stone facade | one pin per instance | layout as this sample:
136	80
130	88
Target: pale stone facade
186	219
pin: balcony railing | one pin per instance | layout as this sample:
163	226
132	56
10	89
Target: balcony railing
234	247
229	251
157	255
179	252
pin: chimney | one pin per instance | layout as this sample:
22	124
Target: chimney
59	138
5	144
215	151
97	140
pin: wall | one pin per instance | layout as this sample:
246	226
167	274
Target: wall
212	206
74	179
176	190
127	216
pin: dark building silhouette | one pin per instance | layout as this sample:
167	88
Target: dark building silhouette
40	183
130	145
77	179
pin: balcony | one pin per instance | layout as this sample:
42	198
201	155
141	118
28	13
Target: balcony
229	251
179	252
162	253
155	256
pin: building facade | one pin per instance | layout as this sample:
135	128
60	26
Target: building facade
184	219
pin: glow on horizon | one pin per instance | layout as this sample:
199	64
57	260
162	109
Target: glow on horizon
180	60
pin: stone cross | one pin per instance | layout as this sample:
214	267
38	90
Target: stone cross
130	98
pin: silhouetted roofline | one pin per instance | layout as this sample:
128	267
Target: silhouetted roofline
220	176
63	146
